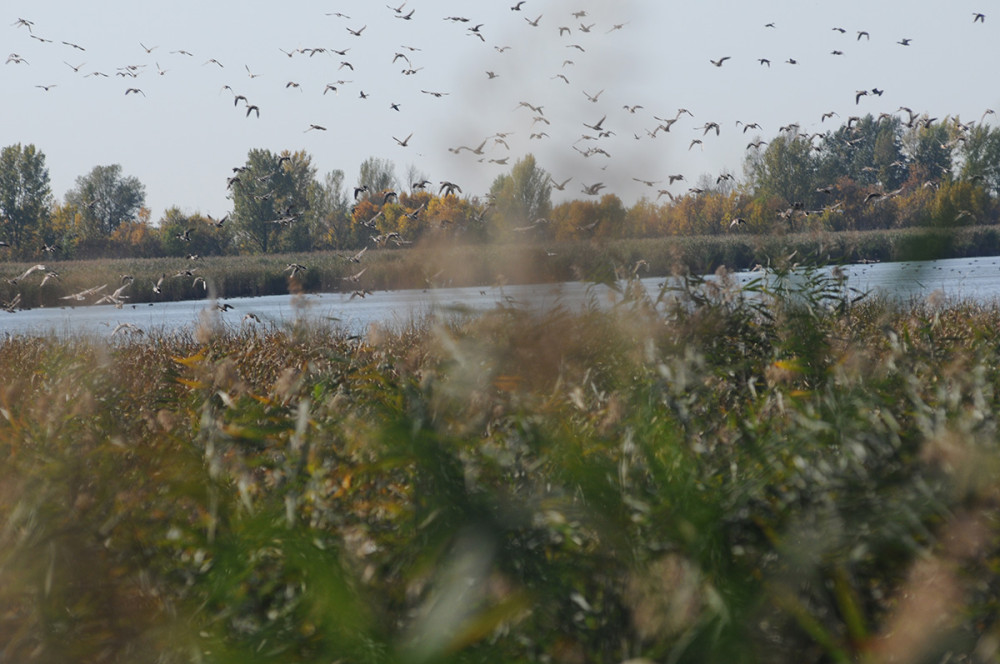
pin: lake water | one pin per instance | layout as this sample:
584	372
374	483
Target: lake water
960	278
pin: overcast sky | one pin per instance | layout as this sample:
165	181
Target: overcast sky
185	131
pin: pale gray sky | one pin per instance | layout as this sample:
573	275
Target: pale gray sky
183	134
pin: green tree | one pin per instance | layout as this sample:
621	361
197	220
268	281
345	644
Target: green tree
786	169
331	206
379	175
25	194
868	151
105	198
523	196
980	156
272	198
928	146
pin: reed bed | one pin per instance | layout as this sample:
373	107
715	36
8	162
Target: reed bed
456	264
786	471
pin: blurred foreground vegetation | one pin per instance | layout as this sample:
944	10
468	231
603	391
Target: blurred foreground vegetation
786	472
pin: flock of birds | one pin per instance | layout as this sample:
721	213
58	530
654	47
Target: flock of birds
536	72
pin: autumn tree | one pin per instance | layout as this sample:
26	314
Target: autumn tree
105	198
25	195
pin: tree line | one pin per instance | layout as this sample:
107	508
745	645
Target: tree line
868	173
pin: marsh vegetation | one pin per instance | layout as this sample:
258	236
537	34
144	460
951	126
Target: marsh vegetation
786	471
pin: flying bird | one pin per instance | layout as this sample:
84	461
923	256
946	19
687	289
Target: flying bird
718	63
403	142
449	188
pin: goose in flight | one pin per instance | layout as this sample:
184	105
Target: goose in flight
126	327
84	293
905	41
978	17
863	33
560	186
357	33
316	127
718	63
354	278
135	90
356	258
405	141
592	189
295	268
597	125
449	188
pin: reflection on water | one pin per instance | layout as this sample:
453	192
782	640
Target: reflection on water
962	278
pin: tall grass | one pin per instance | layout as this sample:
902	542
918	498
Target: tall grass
787	471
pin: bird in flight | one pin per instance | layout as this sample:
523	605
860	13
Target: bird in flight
718	63
560	186
357	33
449	188
405	141
978	17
